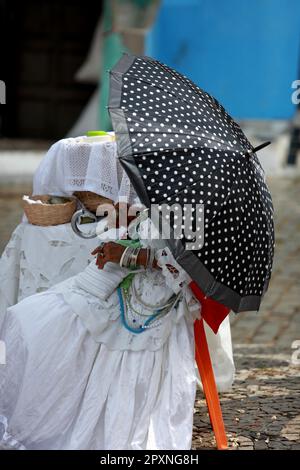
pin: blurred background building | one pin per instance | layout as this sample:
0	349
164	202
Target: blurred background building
55	56
43	43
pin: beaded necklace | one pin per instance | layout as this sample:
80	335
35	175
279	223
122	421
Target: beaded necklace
137	322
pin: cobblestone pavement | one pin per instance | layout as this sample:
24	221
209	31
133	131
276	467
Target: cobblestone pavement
263	409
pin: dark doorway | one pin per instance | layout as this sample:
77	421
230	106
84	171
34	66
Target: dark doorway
43	43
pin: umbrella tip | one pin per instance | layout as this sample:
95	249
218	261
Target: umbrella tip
261	146
256	149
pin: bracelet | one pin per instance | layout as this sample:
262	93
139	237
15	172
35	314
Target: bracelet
125	257
122	258
129	257
133	258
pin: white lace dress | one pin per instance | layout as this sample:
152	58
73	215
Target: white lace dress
36	258
76	378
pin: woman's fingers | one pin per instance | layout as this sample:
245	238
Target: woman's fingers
110	251
101	261
96	250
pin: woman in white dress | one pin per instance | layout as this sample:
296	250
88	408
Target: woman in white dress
91	365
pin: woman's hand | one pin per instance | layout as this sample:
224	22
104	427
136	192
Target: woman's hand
108	252
112	252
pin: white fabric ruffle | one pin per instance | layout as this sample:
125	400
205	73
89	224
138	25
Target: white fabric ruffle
102	318
61	389
101	283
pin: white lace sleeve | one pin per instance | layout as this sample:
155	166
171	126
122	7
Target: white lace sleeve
176	277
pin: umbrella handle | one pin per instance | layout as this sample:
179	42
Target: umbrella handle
209	385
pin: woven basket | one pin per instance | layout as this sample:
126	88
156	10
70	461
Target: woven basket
49	214
91	200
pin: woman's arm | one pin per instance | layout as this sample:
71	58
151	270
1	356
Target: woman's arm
112	252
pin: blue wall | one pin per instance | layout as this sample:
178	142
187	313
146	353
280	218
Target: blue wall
244	52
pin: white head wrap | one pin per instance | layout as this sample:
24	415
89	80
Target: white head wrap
82	164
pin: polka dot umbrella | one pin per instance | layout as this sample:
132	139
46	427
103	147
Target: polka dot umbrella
179	146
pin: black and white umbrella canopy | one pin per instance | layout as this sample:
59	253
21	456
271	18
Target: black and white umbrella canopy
179	146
